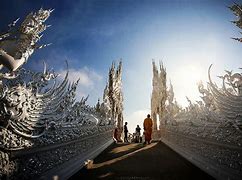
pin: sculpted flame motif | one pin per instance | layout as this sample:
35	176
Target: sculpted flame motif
207	97
27	109
18	44
229	100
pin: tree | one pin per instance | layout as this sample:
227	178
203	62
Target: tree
237	10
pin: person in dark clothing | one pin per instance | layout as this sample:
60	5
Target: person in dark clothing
137	132
126	132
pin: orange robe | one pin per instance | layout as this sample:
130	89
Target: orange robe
148	128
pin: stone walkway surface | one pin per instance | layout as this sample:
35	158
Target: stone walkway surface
155	161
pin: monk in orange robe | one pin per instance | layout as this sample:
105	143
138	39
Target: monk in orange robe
148	123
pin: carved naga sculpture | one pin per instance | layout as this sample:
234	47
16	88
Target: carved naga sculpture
18	44
207	97
23	104
227	100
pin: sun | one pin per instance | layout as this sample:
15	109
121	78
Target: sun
186	81
191	74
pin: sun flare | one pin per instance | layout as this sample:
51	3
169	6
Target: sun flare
191	75
185	84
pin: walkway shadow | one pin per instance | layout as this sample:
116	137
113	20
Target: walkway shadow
117	150
138	162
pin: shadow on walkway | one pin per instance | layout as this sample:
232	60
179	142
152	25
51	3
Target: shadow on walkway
139	162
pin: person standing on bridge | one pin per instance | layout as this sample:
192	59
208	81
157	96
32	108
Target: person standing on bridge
125	132
148	129
137	134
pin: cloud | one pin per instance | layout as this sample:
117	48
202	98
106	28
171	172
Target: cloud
87	77
89	82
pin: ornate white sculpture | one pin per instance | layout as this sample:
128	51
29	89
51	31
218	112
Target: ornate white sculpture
209	131
39	115
163	102
159	94
229	100
18	44
28	107
113	97
207	97
172	108
112	106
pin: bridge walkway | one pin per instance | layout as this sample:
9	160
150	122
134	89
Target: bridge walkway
155	161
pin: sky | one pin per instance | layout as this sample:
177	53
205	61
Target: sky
186	35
